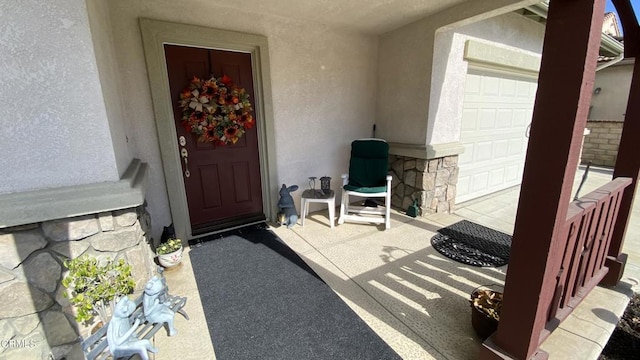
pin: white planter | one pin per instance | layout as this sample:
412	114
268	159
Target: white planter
171	259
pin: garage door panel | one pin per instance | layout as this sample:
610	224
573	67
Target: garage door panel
514	174
500	149
526	90
521	117
497	177
490	86
516	147
472	84
466	158
469	119
504	118
508	88
487	119
493	135
496	112
483	151
462	187
479	181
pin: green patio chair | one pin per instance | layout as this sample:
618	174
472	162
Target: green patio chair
367	178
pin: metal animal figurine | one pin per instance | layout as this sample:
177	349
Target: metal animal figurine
121	338
156	311
287	207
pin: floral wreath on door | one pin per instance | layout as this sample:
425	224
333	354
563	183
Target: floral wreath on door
216	110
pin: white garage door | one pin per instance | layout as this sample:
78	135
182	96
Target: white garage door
496	113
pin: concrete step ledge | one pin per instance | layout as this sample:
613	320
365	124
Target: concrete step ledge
584	334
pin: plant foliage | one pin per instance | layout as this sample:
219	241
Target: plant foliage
625	340
168	247
488	301
94	285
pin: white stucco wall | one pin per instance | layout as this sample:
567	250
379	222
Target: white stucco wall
408	57
323	86
403	73
510	31
54	124
614	83
119	124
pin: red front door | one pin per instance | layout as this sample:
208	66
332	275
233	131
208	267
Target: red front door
223	185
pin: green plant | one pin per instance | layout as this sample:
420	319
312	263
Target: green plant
94	286
168	247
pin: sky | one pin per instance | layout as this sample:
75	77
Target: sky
635	3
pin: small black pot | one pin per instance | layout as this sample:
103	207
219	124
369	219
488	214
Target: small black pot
483	324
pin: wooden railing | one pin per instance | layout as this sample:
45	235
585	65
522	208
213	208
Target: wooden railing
587	236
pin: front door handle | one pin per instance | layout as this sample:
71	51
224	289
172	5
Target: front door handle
185	155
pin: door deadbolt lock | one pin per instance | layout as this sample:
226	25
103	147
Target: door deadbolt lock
182	140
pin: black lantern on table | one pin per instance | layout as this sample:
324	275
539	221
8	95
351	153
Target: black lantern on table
325	184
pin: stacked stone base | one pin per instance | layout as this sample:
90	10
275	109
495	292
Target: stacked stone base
432	182
36	320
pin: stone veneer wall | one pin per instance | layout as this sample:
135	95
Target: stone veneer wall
601	145
432	182
36	321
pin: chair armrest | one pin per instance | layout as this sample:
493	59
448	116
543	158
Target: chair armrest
345	179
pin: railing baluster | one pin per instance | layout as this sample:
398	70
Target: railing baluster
597	238
609	231
588	231
605	238
585	222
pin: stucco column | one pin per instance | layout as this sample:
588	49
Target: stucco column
566	79
55	129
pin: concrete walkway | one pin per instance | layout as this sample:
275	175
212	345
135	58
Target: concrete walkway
498	211
414	298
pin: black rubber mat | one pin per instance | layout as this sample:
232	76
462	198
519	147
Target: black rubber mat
262	301
473	244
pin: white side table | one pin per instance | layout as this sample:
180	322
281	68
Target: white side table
310	196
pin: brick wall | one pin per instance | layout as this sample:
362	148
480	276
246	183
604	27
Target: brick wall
601	145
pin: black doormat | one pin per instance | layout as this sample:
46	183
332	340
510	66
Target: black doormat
473	244
262	301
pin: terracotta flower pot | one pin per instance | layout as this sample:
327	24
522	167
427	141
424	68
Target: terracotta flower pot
170	259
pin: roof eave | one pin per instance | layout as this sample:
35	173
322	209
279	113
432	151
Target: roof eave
608	44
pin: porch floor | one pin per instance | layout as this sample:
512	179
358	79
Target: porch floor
413	297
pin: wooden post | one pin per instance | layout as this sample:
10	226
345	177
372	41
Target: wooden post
565	83
627	162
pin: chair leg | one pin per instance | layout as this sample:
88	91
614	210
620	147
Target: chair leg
342	209
387	210
387	221
332	212
303	210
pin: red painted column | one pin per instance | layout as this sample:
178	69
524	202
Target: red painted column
628	161
565	83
